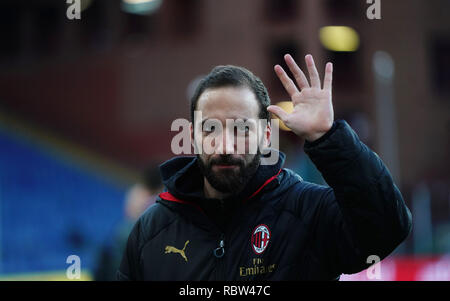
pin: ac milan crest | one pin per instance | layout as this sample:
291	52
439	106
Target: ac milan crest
260	238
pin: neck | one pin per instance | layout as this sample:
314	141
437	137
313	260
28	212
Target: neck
212	193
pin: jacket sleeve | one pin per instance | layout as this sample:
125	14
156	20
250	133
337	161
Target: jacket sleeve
363	213
129	266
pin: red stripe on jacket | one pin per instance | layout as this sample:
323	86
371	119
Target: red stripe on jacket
170	197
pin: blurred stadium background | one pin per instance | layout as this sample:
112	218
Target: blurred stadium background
86	107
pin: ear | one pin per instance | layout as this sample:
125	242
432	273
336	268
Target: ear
192	138
267	134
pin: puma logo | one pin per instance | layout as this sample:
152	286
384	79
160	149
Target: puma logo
170	249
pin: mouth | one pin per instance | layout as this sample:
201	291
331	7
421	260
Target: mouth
224	166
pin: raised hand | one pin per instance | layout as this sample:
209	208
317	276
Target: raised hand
313	112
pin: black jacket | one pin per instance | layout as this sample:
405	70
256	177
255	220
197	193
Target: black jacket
280	227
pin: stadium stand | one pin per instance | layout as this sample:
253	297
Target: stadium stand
50	208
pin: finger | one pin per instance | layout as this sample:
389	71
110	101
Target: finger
279	112
312	70
288	84
299	76
327	81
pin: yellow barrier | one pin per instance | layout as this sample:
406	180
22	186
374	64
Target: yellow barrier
45	276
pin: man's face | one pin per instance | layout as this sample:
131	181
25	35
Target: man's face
227	160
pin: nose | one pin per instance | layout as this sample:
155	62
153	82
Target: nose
228	145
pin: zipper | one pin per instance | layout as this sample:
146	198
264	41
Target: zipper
219	253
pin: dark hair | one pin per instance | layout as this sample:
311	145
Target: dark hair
233	76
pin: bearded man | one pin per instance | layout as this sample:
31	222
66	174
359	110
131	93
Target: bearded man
227	215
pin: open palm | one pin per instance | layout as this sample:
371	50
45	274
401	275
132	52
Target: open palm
313	109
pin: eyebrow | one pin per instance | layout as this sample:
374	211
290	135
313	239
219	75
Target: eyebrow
244	119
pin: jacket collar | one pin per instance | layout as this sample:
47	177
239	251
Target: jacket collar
184	181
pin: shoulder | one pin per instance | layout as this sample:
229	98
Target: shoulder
304	198
295	188
152	221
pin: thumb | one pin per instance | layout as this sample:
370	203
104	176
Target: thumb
279	112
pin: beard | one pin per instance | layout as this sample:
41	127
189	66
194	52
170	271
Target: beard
231	180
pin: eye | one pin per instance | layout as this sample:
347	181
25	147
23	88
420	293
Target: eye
242	128
209	129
